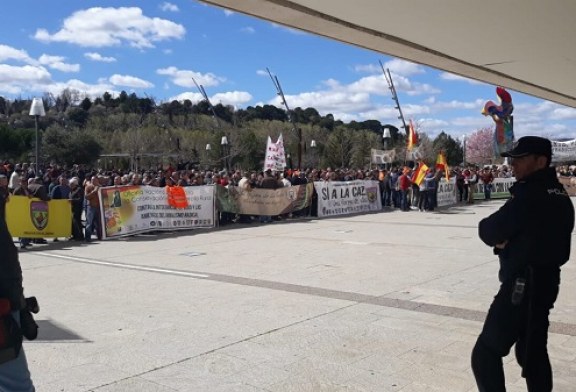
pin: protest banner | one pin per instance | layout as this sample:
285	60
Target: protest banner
500	188
269	202
563	151
128	210
347	197
447	193
33	218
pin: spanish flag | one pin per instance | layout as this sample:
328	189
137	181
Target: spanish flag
441	164
419	173
412	136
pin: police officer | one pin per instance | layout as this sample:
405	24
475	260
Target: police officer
531	235
14	374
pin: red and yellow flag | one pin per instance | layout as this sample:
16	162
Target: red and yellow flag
419	173
412	136
441	164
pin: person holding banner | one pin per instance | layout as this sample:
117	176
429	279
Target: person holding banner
531	234
93	221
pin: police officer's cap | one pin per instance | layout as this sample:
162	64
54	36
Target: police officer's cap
530	145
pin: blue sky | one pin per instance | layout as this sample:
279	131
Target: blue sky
156	48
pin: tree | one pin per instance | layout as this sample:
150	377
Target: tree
479	147
339	148
77	116
451	148
15	143
364	141
61	145
86	104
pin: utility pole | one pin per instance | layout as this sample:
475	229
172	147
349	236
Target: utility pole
297	130
390	82
205	96
225	146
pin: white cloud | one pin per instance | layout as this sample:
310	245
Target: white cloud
231	98
262	72
10	53
328	101
98	57
193	97
36	79
90	90
563	113
57	62
248	30
228	12
129	81
403	67
368	68
455	105
15	79
185	78
166	6
234	98
101	27
451	77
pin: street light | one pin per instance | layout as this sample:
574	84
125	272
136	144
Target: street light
385	137
224	144
37	110
313	147
208	160
464	150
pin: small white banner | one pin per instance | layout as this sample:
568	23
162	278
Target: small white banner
381	157
275	155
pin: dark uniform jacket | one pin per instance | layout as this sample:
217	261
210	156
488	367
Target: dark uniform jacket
10	271
537	222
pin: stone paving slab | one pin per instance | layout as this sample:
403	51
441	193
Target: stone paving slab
390	301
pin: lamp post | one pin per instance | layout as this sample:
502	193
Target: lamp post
313	147
386	137
208	150
37	110
225	146
464	150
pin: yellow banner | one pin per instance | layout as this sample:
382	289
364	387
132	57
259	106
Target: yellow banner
34	218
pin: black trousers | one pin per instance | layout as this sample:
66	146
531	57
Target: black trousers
526	326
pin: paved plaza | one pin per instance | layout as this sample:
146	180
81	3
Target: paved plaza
391	301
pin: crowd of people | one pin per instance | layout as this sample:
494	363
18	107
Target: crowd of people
80	185
529	273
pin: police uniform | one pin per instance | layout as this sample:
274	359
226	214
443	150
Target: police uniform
14	373
536	225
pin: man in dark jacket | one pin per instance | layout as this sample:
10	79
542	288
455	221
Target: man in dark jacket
531	234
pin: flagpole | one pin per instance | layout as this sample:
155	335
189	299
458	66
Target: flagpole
297	130
390	82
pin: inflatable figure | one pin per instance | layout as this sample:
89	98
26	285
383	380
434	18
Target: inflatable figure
502	116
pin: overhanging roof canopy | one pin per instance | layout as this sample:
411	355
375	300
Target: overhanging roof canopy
525	45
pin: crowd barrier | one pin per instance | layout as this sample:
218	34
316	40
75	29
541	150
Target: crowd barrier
129	210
